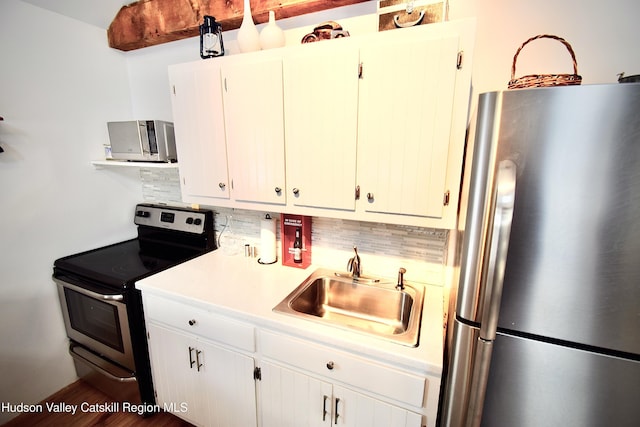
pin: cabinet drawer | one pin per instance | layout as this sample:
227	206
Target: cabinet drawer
344	367
200	322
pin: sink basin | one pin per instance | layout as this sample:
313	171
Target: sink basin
367	305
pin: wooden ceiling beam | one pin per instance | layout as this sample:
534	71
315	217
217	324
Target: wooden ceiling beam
152	22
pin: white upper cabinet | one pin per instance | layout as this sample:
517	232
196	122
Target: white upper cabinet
255	128
321	124
369	128
404	124
196	96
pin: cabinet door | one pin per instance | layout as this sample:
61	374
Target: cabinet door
196	99
353	409
203	383
321	110
405	116
291	399
175	381
255	129
228	387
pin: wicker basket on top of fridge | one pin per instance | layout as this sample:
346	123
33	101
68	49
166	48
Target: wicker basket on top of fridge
544	80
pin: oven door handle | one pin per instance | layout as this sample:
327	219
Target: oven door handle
103	297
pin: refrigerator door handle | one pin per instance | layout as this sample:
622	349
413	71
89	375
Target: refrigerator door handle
495	267
499	245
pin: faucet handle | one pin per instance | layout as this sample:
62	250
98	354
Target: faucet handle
400	285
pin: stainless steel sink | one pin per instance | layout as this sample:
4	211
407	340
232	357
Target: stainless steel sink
368	305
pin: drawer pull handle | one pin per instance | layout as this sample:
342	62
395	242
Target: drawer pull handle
324	407
191	361
192	322
198	364
330	365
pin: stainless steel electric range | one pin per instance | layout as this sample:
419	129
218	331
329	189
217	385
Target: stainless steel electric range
101	307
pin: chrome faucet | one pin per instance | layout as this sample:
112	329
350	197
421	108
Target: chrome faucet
400	285
354	265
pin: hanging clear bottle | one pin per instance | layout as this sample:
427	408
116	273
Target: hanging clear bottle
227	239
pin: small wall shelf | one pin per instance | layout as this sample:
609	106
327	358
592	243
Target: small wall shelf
117	163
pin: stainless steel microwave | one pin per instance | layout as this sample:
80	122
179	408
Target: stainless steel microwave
143	140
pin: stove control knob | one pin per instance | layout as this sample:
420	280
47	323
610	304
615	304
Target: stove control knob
189	220
143	214
197	221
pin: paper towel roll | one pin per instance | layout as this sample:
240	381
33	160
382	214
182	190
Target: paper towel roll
267	241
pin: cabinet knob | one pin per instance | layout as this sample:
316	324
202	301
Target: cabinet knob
296	191
370	197
192	322
278	190
222	185
330	365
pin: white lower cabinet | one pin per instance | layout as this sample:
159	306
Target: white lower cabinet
214	370
294	399
291	399
200	382
307	384
202	363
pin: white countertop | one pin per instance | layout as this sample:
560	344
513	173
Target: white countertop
246	290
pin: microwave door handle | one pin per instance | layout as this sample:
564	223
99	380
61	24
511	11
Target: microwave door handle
103	297
143	138
496	263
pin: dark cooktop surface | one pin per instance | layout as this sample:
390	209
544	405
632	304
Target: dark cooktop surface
121	264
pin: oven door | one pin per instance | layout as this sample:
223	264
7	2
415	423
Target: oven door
97	318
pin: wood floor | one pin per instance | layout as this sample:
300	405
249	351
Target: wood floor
80	393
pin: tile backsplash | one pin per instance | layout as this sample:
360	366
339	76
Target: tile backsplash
161	185
383	248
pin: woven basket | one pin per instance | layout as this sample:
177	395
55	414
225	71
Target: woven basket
545	80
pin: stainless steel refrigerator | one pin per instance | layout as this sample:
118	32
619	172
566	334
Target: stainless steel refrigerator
547	320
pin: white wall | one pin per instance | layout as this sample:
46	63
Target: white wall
59	84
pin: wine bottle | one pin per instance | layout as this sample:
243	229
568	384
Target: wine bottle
297	246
